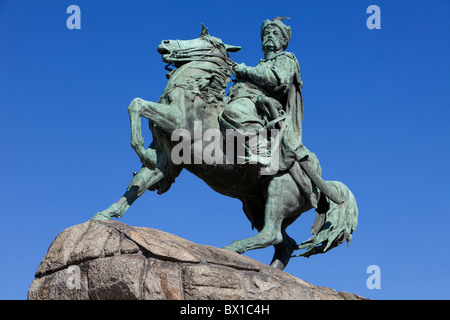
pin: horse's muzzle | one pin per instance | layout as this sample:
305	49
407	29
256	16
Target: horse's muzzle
163	49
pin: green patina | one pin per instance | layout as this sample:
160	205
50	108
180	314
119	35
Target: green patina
267	96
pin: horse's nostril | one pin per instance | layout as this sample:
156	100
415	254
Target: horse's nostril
163	50
166	41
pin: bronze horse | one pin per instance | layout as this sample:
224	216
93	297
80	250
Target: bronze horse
195	91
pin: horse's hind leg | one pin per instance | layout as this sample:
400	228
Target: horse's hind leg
143	180
283	206
279	205
285	249
269	235
283	252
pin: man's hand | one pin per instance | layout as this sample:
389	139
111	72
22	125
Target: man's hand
240	71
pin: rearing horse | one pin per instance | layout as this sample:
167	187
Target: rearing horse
195	91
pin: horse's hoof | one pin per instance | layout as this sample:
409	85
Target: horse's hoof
100	216
228	248
278	264
232	247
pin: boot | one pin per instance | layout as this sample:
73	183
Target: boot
259	153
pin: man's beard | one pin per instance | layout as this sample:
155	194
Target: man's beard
268	46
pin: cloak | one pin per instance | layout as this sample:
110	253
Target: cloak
302	164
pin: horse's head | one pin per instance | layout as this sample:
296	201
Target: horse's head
179	52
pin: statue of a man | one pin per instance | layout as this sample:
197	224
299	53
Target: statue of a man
274	85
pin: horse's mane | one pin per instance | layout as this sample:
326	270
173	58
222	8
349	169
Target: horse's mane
216	42
210	87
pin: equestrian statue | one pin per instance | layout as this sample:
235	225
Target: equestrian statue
246	144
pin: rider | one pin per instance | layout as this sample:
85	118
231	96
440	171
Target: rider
274	83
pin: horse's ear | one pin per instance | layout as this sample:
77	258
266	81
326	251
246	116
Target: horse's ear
204	32
231	48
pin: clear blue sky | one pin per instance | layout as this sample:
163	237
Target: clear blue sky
376	114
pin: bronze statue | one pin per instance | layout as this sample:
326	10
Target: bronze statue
262	92
193	108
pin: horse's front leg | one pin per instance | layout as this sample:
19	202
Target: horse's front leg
143	180
166	116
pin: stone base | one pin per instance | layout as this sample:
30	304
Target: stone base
114	261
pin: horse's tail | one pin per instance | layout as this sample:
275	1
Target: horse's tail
334	223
